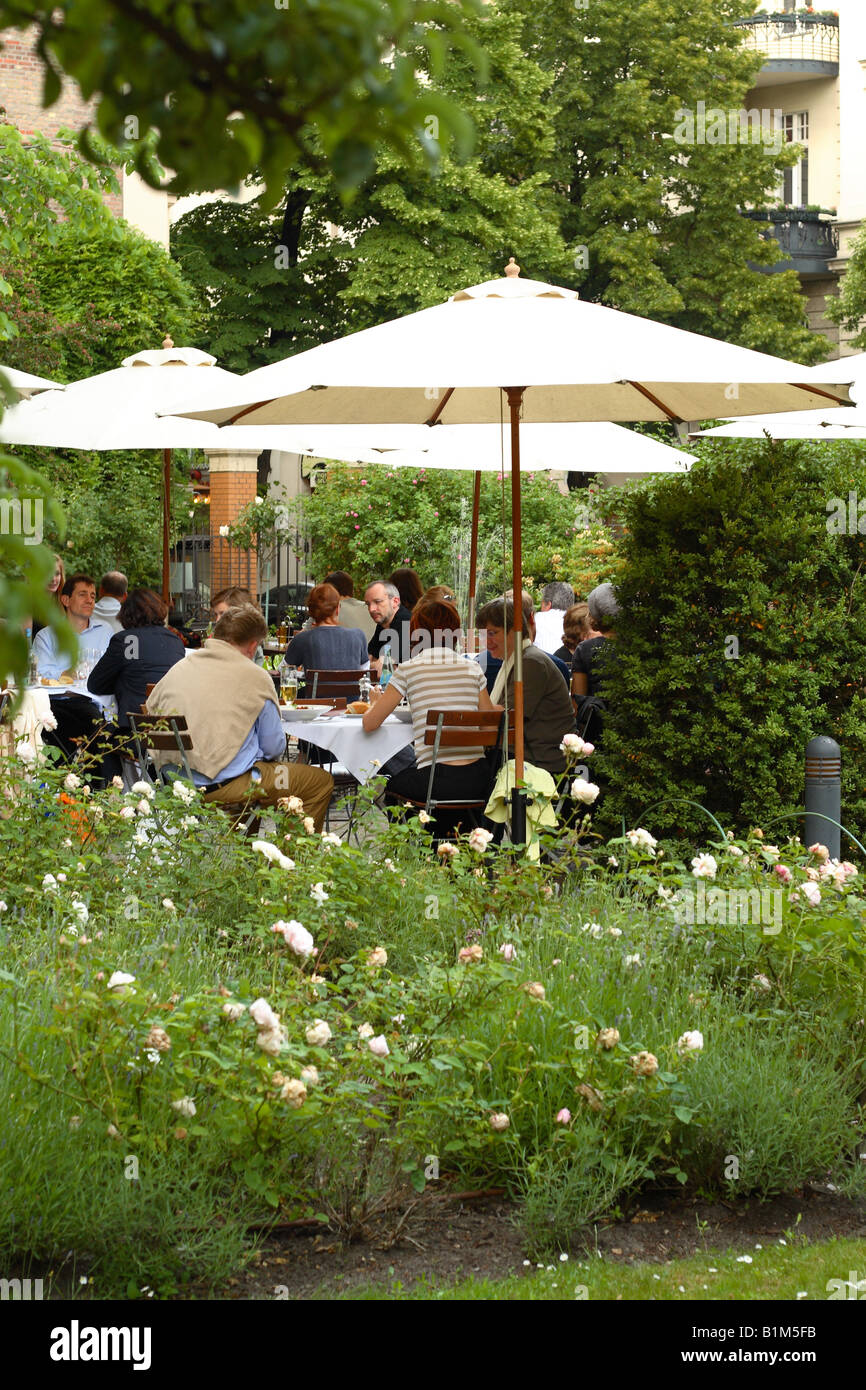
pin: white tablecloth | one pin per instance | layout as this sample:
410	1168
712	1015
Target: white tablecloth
106	703
360	753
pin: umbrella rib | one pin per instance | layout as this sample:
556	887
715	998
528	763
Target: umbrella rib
434	418
660	405
816	391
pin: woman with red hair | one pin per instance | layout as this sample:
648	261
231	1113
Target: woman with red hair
436	677
326	646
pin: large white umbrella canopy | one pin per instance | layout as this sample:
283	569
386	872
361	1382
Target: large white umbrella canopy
575	360
527	352
590	448
125	409
25	384
808	424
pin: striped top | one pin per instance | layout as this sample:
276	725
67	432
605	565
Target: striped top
439	679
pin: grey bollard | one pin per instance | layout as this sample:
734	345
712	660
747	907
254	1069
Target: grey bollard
823	793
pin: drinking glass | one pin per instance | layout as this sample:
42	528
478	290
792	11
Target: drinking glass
289	683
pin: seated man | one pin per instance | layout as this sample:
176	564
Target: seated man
113	589
79	719
233	718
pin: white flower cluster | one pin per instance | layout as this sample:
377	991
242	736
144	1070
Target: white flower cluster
184	791
642	839
272	853
296	936
271	1035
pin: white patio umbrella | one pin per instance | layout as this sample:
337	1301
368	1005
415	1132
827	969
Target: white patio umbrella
523	351
24	384
119	409
807	424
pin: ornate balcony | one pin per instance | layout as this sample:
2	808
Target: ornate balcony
797	46
807	240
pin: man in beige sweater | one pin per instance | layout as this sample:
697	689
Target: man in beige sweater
234	721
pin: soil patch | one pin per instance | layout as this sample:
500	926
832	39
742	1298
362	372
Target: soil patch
448	1236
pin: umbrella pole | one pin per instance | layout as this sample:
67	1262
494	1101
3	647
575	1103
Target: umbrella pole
514	395
473	558
166	520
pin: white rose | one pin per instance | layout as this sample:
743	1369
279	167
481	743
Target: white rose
49	884
273	854
633	962
318	894
377	957
271	1040
70	781
318	1034
690	1042
185	1107
127	813
378	1046
365	1030
499	1122
704	866
295	1092
583	791
119	980
479	839
184	791
263	1015
296	936
309	825
142	789
310	1076
234	1011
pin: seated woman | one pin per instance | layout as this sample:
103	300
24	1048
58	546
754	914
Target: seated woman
576	627
326	646
137	656
591	657
547	712
437	678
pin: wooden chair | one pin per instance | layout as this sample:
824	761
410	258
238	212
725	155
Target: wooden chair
332	683
458	729
168	733
160	733
338	702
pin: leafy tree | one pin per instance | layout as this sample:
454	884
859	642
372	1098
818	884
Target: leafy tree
369	521
227	88
656	224
122	278
277	284
742	635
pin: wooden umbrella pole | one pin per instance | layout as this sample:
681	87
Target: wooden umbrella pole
473	559
166	520
514	395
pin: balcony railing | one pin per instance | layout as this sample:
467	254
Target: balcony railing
807	240
795	43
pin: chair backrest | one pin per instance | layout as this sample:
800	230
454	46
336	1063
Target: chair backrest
161	733
149	689
459	728
338	702
319	683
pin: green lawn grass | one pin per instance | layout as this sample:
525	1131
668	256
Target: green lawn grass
793	1271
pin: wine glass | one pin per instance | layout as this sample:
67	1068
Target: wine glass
289	683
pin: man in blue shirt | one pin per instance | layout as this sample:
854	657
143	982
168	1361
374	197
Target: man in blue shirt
80	720
232	714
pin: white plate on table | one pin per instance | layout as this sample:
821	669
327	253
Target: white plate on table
300	715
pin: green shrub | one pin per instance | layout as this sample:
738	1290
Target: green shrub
742	636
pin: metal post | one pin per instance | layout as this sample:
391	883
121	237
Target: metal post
514	395
823	793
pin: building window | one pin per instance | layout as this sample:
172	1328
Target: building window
795	181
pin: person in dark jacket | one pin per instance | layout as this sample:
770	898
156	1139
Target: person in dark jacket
137	656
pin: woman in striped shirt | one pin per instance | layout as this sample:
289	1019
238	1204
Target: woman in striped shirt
437	677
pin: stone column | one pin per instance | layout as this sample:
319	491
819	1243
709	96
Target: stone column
233	479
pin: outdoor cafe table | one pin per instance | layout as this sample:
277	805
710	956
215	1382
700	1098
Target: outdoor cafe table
342	735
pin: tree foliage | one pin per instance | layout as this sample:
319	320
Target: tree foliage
742	636
848	308
227	88
658	223
369	521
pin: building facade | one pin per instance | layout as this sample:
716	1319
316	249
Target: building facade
814	79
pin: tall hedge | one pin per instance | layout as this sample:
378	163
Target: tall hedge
743	635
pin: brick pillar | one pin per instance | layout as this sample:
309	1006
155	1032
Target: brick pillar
233	478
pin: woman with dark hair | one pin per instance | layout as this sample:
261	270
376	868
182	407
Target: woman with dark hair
576	627
326	646
409	587
547	712
436	678
137	656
